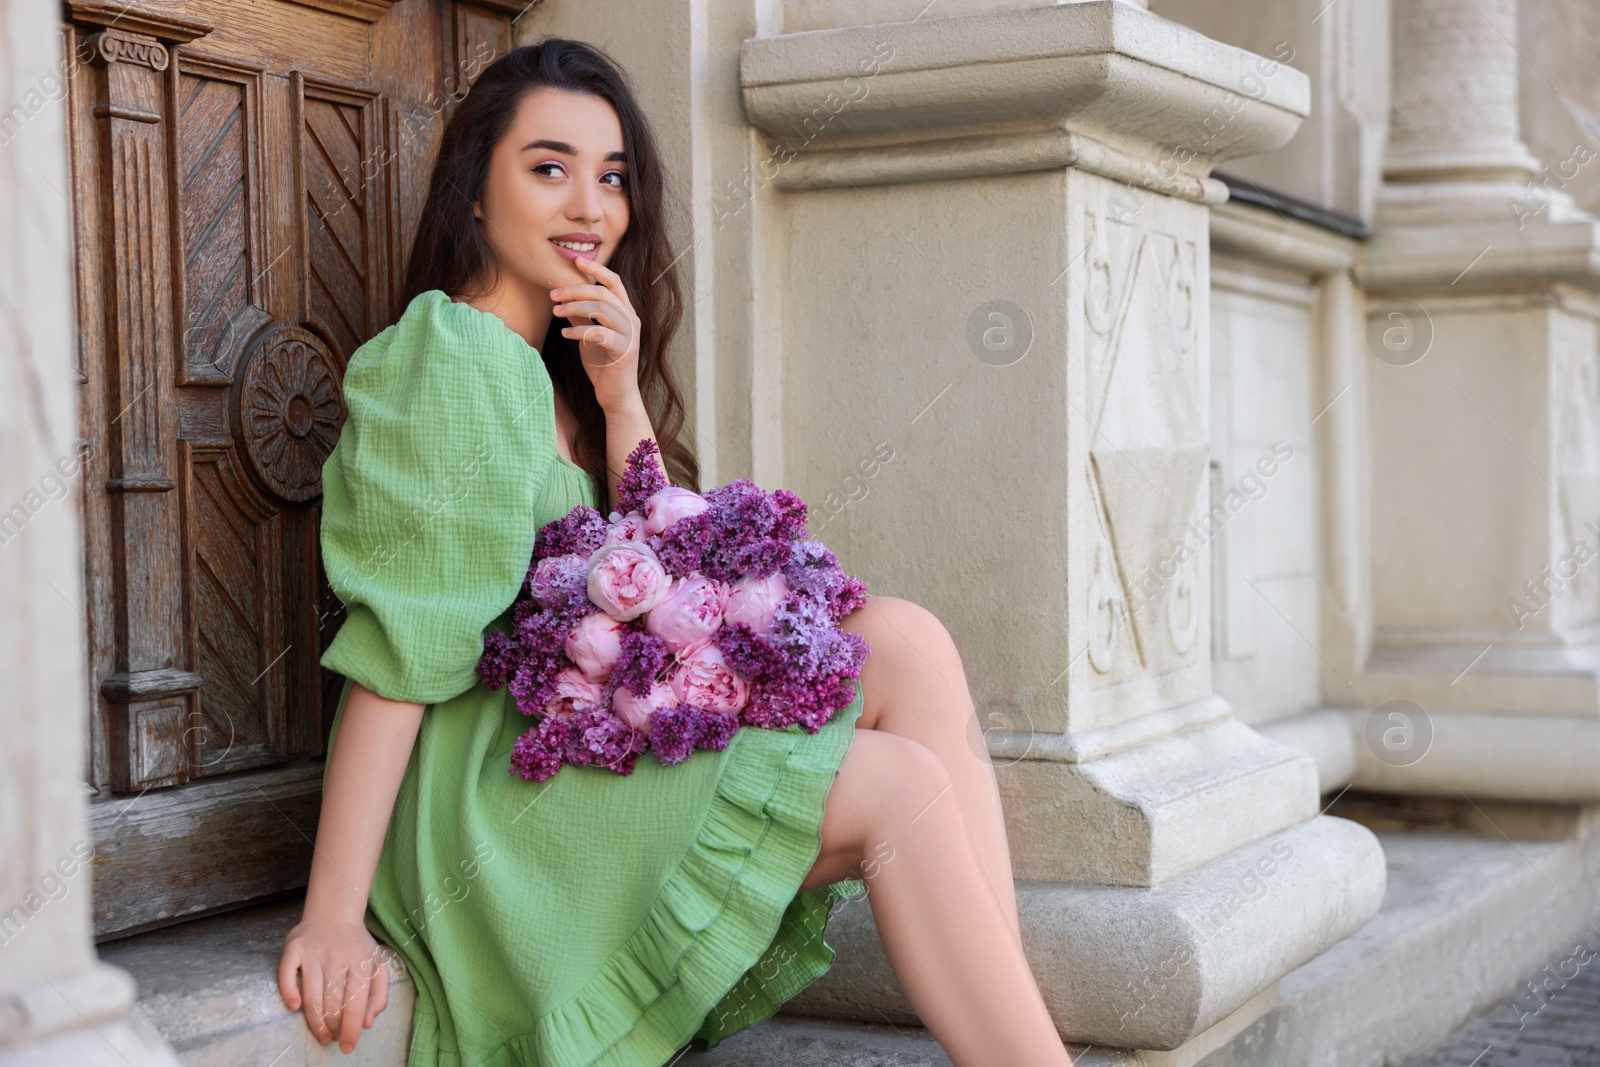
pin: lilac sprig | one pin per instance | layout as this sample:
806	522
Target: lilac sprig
641	478
586	738
801	670
642	659
744	532
815	570
580	531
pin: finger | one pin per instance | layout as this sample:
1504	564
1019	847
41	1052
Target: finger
288	964
599	310
311	989
589	291
606	346
606	277
602	273
378	999
333	1005
355	1010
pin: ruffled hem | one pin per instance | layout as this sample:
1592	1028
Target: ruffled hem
728	939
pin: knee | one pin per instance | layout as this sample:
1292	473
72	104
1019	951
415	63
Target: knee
913	776
915	631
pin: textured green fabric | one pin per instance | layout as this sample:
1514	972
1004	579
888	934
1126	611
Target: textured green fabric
593	918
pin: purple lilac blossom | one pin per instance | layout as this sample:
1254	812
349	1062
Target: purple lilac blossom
580	531
642	479
802	670
815	570
717	729
675	732
641	661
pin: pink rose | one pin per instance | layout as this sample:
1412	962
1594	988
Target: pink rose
704	679
594	645
629	527
667	506
550	574
573	693
626	580
635	710
754	601
689	613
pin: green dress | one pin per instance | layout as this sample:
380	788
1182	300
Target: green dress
593	918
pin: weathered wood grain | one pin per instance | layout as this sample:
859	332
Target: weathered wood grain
246	179
171	854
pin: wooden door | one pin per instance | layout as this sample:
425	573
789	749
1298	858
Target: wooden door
245	179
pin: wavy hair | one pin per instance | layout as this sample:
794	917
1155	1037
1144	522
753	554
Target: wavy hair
450	253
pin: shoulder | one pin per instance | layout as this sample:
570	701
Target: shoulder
445	356
436	329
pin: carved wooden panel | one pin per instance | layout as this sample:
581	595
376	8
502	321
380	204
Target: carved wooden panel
289	411
236	610
245	181
218	117
341	176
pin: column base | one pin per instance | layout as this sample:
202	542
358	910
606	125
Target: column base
1146	814
1551	759
1150	968
85	1019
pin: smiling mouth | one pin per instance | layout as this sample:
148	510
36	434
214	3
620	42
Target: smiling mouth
576	246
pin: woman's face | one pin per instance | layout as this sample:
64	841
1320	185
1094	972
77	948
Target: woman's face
558	178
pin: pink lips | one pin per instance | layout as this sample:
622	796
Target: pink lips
580	238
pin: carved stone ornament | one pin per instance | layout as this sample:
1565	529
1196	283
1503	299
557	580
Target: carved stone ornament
114	46
289	411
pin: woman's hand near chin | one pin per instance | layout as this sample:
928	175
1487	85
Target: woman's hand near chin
343	978
607	331
608	342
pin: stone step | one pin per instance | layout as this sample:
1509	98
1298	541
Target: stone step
1464	921
210	988
1464	917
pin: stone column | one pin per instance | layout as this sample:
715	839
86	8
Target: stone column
1483	394
993	283
58	1003
1454	101
1455	152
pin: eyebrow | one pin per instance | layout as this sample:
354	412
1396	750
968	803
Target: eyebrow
566	149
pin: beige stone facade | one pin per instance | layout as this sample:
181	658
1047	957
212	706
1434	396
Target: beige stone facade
1237	492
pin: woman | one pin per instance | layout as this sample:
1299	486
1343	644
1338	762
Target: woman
598	918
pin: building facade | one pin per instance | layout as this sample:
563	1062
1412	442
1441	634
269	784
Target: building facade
1225	376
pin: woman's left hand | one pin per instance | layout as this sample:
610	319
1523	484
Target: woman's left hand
607	330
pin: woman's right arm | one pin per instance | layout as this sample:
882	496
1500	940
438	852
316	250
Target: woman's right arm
343	982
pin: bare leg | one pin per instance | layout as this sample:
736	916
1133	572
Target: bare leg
914	685
891	820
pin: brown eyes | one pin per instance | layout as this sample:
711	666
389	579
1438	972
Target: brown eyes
622	179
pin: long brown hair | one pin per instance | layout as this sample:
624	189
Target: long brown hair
450	253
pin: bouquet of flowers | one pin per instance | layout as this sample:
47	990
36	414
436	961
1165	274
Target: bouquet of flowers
667	627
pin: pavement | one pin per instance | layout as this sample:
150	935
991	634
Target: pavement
1553	1022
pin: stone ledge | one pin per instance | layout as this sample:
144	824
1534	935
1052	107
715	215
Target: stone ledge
1522	757
1150	968
210	987
1461	920
1464	920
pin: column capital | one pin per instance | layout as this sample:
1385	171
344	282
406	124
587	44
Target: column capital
1103	86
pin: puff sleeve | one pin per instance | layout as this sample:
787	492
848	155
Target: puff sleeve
429	496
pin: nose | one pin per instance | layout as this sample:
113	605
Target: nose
584	204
